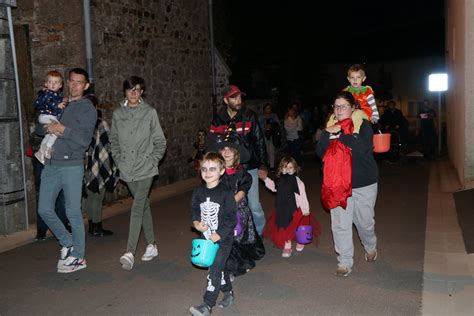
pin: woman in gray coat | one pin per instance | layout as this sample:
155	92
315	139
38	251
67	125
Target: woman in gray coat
138	144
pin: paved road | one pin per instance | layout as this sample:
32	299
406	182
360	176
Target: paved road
301	285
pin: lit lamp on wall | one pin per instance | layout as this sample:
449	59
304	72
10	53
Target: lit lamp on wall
438	83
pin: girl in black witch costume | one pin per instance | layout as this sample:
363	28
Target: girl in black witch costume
248	245
291	204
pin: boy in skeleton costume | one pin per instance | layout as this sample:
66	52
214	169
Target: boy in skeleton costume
213	210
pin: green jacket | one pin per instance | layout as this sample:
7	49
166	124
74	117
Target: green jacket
137	141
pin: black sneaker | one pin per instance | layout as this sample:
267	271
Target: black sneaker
98	231
227	300
201	310
40	235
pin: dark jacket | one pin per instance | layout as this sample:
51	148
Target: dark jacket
251	135
216	201
364	167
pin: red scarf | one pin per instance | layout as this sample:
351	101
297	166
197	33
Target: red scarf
231	171
337	180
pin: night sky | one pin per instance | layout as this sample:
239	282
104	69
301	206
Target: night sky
292	38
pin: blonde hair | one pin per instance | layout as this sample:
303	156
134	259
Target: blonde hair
356	68
285	161
54	73
214	157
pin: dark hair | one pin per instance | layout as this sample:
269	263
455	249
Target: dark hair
236	161
265	105
132	81
391	102
80	71
346	95
200	131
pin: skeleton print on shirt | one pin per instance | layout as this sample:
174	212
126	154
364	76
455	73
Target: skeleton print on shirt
209	215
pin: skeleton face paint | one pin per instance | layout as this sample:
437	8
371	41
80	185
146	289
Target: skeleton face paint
211	171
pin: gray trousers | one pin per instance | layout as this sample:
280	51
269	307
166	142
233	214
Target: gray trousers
140	214
360	211
93	205
270	152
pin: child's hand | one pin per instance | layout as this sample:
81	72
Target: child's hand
334	129
305	212
55	128
262	174
63	104
215	237
200	226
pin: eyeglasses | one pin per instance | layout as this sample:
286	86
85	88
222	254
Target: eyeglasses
342	107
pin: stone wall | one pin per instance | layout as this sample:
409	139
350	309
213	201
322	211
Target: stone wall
12	194
223	73
56	35
165	42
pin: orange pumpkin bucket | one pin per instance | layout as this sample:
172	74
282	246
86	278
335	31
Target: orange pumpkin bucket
382	143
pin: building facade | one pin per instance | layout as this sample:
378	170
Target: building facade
460	66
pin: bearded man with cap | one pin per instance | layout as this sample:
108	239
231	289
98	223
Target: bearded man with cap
245	122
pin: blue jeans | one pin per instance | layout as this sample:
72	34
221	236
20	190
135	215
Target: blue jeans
254	202
69	179
41	226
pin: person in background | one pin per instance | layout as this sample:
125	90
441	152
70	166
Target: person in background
100	174
269	122
199	149
138	144
393	120
427	129
293	125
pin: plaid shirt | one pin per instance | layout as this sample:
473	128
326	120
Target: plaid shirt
100	165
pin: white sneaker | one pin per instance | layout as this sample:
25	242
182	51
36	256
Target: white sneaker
127	261
72	264
65	253
150	252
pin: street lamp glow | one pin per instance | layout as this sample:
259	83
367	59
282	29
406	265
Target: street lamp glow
438	82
